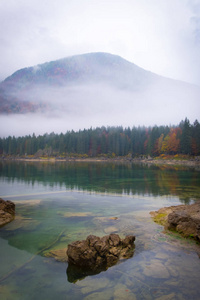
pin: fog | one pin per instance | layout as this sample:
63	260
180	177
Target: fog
161	36
84	106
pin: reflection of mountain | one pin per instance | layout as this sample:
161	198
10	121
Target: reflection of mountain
114	178
97	84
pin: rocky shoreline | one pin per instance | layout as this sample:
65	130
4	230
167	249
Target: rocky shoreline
7	212
184	219
191	162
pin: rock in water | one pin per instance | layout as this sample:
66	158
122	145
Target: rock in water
7	211
184	219
95	254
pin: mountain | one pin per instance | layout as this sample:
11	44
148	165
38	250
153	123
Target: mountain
87	69
98	87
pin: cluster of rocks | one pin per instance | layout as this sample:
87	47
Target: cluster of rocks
95	254
185	219
7	211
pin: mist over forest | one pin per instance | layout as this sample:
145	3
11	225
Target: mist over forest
91	90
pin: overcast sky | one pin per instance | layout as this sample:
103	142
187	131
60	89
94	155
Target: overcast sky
162	36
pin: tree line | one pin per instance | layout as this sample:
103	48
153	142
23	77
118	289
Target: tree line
109	142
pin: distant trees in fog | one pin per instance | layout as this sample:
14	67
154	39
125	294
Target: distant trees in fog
109	142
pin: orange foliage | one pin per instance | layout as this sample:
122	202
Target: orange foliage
170	144
173	141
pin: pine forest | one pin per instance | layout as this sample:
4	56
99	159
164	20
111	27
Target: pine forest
183	139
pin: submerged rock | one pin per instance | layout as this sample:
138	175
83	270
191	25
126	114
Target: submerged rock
110	229
58	254
95	254
156	269
92	285
184	219
7	211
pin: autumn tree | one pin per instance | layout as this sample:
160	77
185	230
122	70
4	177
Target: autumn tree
158	145
173	141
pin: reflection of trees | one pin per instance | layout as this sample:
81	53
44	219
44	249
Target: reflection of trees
107	177
168	181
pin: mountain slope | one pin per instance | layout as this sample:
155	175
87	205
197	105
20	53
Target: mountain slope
80	68
87	69
98	89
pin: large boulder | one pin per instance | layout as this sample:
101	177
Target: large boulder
95	254
7	211
184	219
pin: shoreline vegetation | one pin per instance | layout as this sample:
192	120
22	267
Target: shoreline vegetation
173	160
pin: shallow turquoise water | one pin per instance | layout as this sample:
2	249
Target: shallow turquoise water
63	202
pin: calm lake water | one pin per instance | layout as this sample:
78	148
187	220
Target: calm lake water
58	203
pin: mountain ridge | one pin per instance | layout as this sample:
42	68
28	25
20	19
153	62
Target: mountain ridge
90	68
102	58
86	67
95	86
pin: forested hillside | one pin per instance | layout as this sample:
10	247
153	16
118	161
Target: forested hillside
109	142
90	90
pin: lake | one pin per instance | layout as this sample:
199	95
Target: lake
58	203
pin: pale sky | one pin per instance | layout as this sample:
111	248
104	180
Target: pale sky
162	36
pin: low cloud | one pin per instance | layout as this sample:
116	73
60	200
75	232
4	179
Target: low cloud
161	36
85	106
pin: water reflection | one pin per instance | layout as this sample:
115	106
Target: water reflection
50	214
75	274
129	179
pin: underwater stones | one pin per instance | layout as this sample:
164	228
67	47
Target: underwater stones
107	294
75	214
7	211
93	285
172	269
110	229
32	202
107	224
121	292
59	254
23	223
170	296
156	269
6	292
95	254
